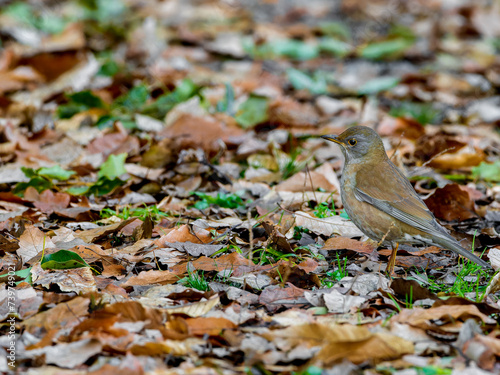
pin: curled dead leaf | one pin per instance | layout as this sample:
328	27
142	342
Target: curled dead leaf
337	342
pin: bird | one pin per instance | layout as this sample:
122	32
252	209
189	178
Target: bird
381	201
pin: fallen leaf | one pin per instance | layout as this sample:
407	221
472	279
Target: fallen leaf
93	235
209	326
400	127
275	296
195	249
343	243
180	234
233	261
67	355
339	303
32	242
338	342
323	177
443	318
47	201
328	226
78	280
152	277
65	314
451	203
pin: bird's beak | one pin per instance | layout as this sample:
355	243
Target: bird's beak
332	138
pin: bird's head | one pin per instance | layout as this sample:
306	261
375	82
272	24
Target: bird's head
359	143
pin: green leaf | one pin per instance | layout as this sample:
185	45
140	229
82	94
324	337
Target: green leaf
377	85
29	172
344	215
106	121
201	205
24	13
335	29
87	99
113	167
55	172
62	260
423	113
252	112
313	370
388	48
227	104
79	102
38	182
24	274
487	171
164	103
300	81
104	186
229	200
108	68
78	190
295	49
134	100
334	46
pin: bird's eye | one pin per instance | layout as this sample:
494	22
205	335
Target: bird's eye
352	142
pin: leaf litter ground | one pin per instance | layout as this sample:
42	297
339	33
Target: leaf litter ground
167	207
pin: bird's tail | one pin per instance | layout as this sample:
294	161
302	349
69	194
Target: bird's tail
451	244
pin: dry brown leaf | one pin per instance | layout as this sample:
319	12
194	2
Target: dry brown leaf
323	177
78	280
328	226
308	265
400	127
93	235
152	277
289	112
343	243
449	317
209	326
180	234
65	314
338	342
233	261
32	242
197	308
67	355
275	296
199	132
451	203
173	347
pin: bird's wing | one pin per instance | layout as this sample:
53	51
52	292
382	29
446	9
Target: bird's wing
394	195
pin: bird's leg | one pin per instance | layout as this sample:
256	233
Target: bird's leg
385	235
392	260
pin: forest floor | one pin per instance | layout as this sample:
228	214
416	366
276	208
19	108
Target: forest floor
167	205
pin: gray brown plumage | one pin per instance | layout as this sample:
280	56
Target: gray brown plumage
380	200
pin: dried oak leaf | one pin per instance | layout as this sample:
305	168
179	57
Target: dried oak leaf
152	277
96	234
451	203
209	326
196	249
32	242
181	234
47	201
398	126
234	262
65	314
338	342
343	243
78	280
447	318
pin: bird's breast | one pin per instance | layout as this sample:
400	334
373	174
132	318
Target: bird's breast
370	220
